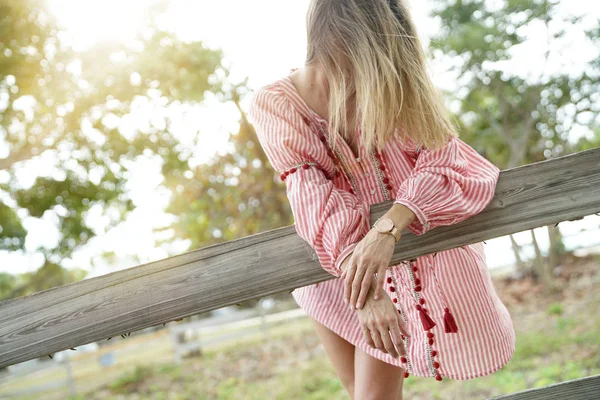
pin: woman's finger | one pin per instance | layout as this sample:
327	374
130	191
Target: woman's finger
377	339
346	264
402	327
349	279
387	341
365	286
397	337
367	336
359	275
380	282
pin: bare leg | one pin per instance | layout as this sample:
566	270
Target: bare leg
341	354
375	379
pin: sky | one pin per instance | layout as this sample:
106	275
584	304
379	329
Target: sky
262	40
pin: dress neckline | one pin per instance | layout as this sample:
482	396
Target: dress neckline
308	112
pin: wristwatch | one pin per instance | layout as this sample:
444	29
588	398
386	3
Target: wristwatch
386	225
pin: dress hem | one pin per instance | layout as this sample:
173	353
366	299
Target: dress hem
388	359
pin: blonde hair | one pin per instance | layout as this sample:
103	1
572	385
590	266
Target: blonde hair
376	72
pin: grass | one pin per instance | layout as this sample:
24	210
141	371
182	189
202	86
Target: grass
129	382
551	347
153	348
316	380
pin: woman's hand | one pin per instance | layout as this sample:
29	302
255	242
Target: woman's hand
372	255
381	325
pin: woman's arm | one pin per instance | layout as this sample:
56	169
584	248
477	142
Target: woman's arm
375	250
331	220
446	186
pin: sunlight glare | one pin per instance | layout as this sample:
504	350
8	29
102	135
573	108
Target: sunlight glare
93	21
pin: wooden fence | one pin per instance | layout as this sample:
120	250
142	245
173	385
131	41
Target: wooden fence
527	197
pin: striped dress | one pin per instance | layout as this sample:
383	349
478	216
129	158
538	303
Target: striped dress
458	326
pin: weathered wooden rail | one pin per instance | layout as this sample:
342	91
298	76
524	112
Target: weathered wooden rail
147	295
587	388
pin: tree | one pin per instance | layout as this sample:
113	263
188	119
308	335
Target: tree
69	108
232	196
512	119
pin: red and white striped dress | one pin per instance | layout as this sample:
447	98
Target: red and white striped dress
330	193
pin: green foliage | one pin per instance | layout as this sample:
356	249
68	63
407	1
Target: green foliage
232	196
12	233
511	119
47	276
68	106
515	118
7	283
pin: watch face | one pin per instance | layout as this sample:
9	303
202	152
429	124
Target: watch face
385	225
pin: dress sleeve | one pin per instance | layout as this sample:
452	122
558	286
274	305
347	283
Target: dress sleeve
447	185
331	220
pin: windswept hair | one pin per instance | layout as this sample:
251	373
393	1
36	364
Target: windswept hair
376	71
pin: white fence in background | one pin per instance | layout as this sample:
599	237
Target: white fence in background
195	336
63	366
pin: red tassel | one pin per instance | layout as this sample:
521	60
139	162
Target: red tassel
449	322
426	319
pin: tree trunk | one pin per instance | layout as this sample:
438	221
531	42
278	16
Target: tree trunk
542	267
538	263
521	268
557	248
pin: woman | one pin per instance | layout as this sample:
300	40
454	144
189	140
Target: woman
361	124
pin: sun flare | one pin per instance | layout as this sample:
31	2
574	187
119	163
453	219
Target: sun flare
92	21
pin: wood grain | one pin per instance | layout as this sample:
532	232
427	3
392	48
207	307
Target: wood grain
579	389
268	263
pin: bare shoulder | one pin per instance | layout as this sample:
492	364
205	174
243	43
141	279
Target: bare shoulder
310	83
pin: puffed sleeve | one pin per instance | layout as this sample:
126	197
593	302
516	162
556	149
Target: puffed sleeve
331	220
447	185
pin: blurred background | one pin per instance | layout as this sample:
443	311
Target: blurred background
124	140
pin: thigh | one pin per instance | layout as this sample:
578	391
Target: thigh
341	354
375	379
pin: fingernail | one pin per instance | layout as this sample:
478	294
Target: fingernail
359	305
